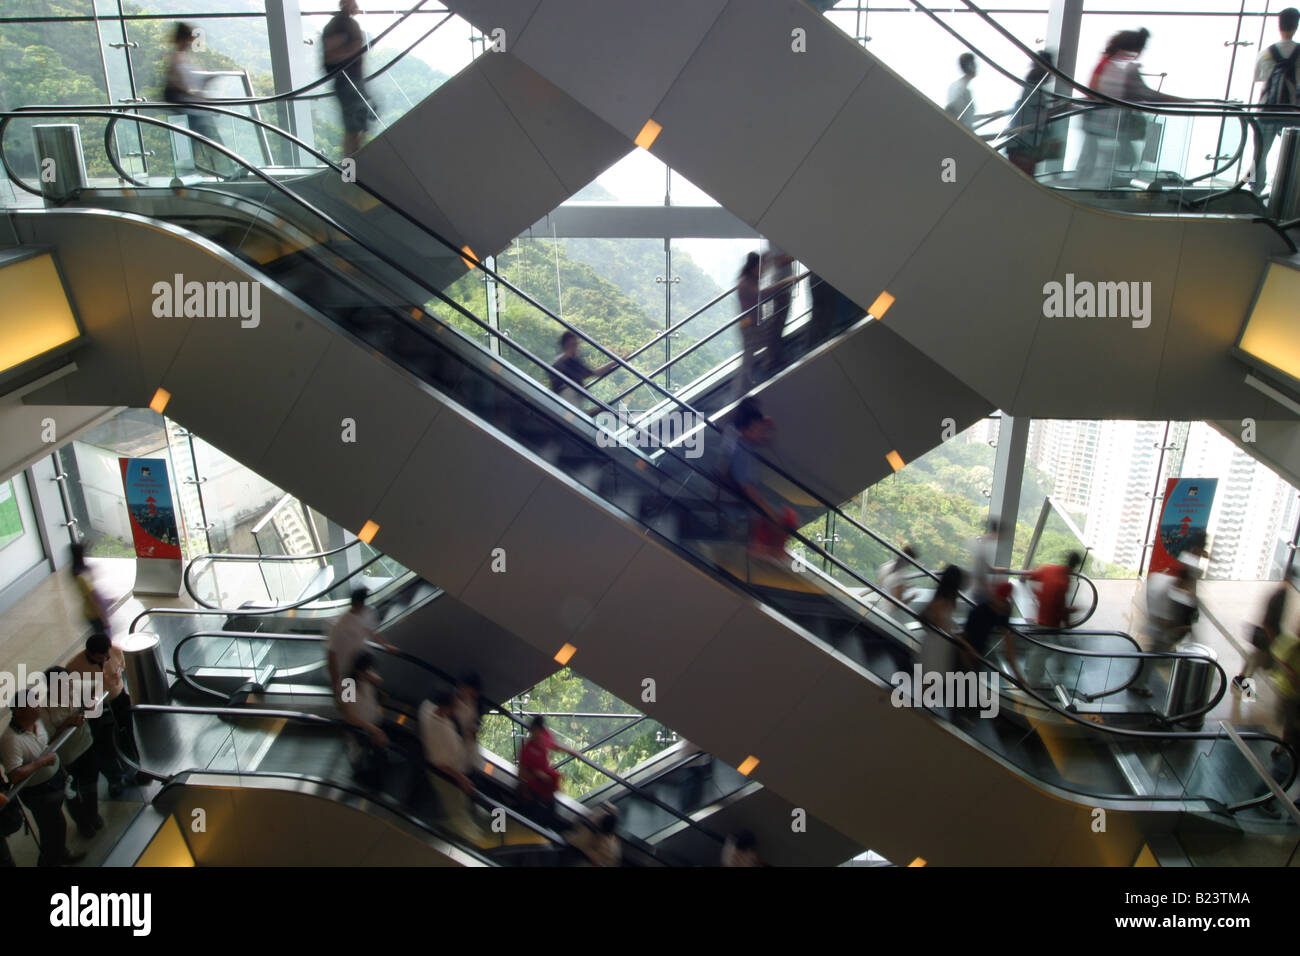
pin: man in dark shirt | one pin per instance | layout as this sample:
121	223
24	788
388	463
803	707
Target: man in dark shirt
344	46
1268	629
987	618
574	369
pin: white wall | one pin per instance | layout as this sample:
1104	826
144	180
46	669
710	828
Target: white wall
21	555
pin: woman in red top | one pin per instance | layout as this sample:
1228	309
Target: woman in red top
538	780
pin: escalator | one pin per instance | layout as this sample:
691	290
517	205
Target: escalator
871	219
285	731
533	468
544	147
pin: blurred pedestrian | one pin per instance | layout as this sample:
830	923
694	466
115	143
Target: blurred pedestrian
343	49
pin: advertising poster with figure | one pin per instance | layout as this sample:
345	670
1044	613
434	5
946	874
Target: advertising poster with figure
1183	519
153	525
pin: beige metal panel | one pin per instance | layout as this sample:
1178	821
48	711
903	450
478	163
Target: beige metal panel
488	15
1104	365
22	429
451	501
1219	269
617	59
756	656
95	268
834	455
576	144
970	297
562	555
1276	444
833	213
636	630
458	639
907	392
759	123
388	415
270	364
401	178
770	818
506	167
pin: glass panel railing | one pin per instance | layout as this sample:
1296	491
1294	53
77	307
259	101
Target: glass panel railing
1264	835
272	744
1181	157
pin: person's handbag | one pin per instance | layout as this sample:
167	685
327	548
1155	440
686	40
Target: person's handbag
1259	638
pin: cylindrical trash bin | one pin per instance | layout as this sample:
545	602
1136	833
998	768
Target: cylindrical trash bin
146	674
60	162
1191	681
1284	201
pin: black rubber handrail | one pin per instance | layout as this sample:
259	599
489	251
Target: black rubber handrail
318	720
217	558
443	676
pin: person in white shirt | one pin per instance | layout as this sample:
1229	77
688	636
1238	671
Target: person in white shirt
961	102
65	706
984	572
1279	52
359	704
25	756
895	577
348	636
444	748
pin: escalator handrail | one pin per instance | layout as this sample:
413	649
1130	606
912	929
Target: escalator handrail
1218	107
343	230
216	558
442	676
208	609
304	91
660	336
318	720
725	327
1213	106
1025	572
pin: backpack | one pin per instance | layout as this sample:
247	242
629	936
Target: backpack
1279	90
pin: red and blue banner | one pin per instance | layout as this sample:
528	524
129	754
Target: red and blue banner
149	502
1184	517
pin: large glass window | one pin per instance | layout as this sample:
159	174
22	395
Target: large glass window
590	720
938	504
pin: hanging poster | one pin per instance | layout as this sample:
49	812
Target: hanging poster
149	502
1184	515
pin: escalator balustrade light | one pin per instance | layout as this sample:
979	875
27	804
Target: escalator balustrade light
895	460
488	768
415	312
747	765
649	133
881	305
368	532
160	400
919	861
468	257
566	654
